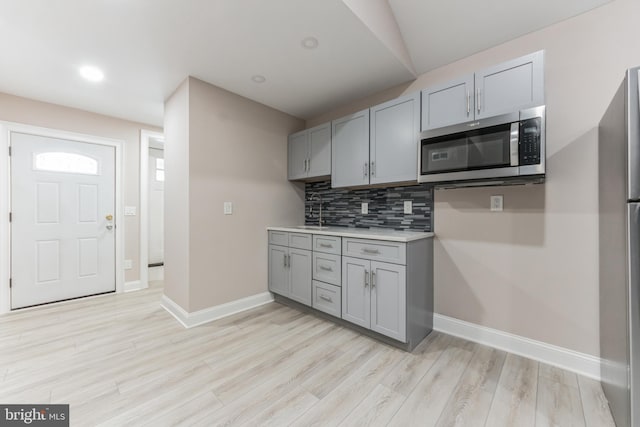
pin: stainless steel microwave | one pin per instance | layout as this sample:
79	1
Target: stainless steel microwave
504	149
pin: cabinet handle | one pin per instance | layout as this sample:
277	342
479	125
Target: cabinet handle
373	168
325	245
468	102
289	261
366	278
478	99
326	298
370	251
284	260
308	165
325	268
373	279
365	169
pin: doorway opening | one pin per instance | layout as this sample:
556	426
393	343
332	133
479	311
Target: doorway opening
151	207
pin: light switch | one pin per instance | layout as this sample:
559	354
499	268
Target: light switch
228	208
497	203
129	210
128	264
365	208
408	207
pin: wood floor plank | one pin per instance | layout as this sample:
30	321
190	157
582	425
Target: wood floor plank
514	402
427	400
413	367
558	405
469	403
339	403
123	360
376	409
594	403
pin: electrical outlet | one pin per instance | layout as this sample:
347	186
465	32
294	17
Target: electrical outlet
365	208
128	264
497	203
408	207
228	208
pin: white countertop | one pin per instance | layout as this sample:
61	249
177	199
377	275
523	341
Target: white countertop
359	233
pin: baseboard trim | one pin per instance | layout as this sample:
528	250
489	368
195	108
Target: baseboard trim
570	360
134	285
200	317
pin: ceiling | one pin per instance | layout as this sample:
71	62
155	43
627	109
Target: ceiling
147	47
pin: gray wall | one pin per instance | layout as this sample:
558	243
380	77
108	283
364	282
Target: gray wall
228	148
532	270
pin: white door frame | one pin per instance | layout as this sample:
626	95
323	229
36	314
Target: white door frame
5	199
145	136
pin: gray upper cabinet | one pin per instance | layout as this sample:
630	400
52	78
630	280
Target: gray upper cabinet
448	103
395	126
298	149
511	86
350	150
319	151
309	153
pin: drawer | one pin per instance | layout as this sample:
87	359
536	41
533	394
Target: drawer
300	241
327	244
378	250
327	268
327	298
280	238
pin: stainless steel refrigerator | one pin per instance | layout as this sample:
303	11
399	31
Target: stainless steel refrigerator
619	235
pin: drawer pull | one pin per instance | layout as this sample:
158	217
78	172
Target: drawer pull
325	245
326	298
370	251
324	267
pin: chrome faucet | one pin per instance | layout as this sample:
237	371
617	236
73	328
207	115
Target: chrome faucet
317	195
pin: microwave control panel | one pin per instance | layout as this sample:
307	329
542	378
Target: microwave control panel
529	146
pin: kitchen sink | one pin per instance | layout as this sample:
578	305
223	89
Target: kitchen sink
311	227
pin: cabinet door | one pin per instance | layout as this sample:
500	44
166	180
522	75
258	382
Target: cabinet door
389	300
300	275
278	271
510	86
298	154
395	127
448	103
356	294
350	150
319	151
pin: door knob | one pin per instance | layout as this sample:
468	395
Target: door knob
109	217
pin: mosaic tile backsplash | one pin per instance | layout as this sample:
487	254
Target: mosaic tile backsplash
342	207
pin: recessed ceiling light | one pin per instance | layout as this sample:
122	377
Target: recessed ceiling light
309	43
91	73
258	78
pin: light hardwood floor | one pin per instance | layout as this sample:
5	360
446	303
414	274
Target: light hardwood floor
122	360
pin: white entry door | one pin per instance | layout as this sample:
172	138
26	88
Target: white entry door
63	219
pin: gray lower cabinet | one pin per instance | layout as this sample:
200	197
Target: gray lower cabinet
290	273
290	265
374	296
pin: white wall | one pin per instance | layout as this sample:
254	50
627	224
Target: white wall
532	270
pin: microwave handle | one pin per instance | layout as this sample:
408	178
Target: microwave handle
514	140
